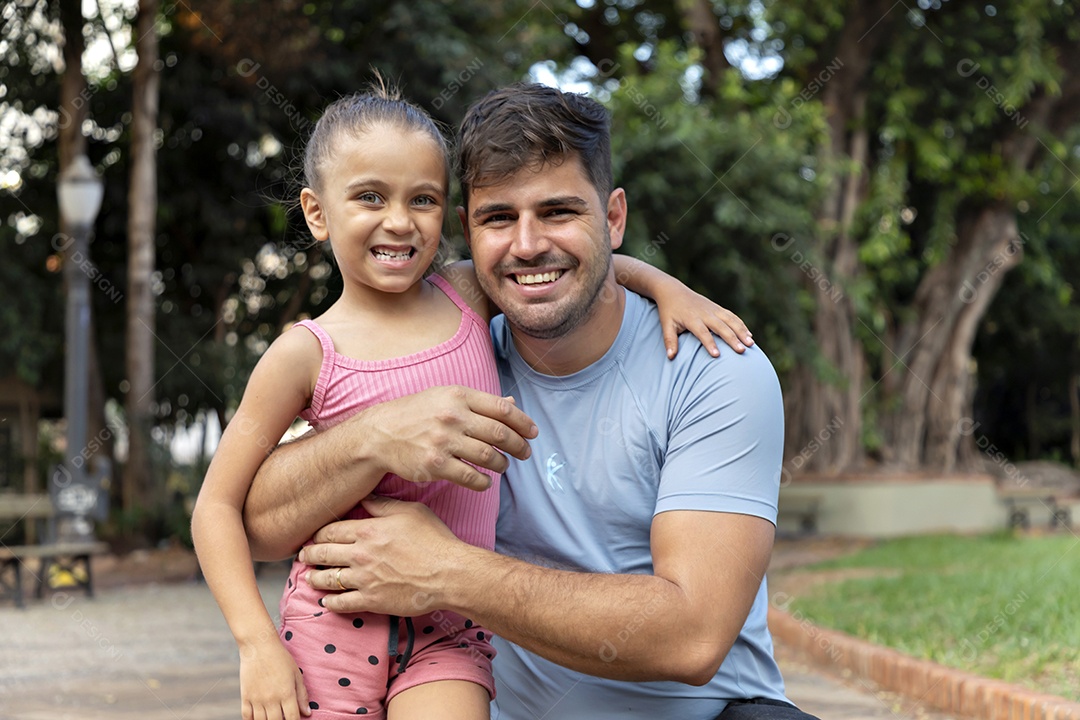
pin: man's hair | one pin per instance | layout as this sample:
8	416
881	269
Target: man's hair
528	126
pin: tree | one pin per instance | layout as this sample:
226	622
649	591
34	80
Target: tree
979	143
142	211
937	122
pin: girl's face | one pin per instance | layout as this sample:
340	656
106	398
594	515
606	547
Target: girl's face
382	202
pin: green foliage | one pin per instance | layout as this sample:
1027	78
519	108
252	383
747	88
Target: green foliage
32	304
709	188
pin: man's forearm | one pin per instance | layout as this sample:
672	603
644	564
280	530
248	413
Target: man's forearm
302	486
623	627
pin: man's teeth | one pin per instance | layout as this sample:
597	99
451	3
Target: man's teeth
384	255
541	278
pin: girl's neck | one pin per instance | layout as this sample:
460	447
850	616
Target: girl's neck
365	327
359	299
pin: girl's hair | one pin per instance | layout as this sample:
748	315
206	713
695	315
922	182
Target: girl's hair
357	114
361	112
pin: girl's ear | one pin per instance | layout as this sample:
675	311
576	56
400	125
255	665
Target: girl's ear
314	214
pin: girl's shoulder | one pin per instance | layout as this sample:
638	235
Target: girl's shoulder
296	354
461	277
300	341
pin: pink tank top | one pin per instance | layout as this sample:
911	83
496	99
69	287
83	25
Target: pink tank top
346	386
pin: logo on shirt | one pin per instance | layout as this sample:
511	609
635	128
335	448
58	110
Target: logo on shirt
553	468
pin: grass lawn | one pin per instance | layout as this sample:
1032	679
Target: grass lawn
998	605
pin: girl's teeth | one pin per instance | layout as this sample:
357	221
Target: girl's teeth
383	255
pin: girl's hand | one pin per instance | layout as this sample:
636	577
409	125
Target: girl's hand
683	309
271	685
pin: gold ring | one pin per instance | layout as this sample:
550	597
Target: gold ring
337	579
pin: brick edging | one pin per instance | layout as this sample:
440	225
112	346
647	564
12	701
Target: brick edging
936	686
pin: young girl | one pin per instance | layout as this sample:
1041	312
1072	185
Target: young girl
377	174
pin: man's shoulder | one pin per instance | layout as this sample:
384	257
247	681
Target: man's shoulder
500	336
693	360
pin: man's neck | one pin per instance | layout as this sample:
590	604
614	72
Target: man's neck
582	346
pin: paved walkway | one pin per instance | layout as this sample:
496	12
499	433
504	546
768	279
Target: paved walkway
163	652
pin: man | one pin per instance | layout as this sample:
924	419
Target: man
634	534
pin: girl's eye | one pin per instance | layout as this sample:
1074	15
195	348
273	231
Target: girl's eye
425	200
368	197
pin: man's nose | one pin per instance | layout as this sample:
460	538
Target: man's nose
530	239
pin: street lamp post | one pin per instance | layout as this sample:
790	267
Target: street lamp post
79	192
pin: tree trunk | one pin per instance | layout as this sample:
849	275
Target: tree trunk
73	92
139	354
935	346
823	411
952	298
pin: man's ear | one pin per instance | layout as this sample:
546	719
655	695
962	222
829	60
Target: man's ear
616	216
464	218
314	215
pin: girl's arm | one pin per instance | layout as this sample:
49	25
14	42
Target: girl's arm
680	307
279	389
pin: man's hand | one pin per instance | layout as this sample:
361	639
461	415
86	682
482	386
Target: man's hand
398	562
433	434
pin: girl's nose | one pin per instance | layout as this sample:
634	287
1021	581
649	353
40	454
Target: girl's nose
397	219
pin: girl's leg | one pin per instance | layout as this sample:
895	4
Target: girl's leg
441	700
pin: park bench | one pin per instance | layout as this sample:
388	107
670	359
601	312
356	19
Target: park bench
68	559
1021	501
803	509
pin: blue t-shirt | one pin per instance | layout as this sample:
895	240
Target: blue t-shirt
630	436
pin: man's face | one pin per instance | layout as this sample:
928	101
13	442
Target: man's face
541	242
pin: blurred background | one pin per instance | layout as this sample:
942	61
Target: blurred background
885	192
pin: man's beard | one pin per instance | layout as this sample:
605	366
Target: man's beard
568	317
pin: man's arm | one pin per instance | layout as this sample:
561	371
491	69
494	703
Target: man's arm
303	485
677	624
430	435
681	308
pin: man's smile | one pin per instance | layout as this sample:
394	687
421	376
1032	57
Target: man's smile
536	278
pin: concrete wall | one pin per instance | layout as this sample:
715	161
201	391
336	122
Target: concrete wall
895	506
